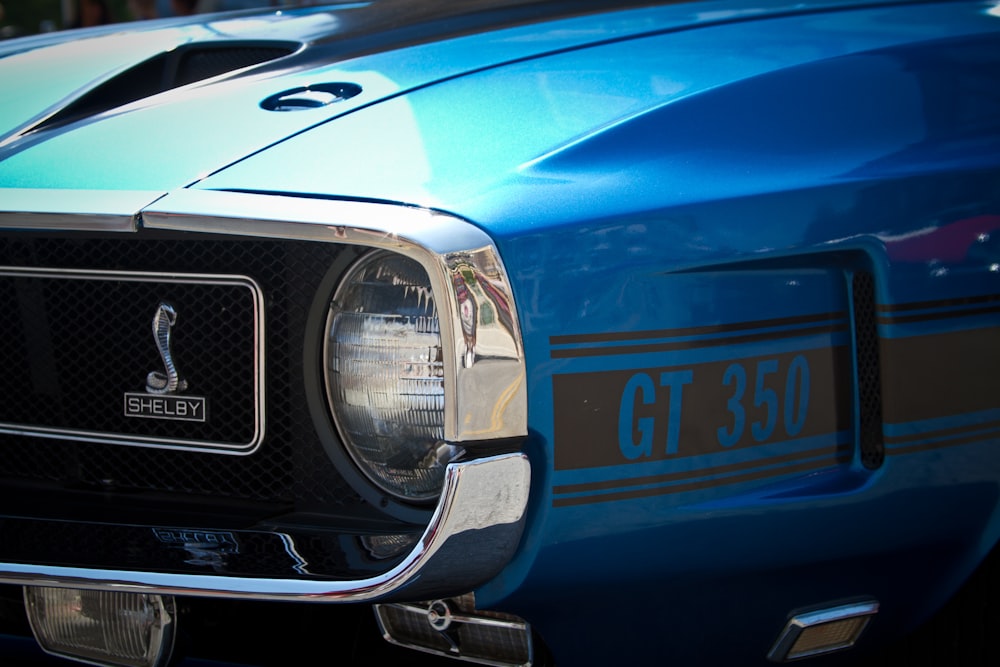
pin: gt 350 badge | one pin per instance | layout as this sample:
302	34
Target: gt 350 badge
162	399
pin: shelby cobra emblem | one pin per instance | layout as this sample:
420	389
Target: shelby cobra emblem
162	399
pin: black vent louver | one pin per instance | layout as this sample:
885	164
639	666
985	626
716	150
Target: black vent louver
869	370
180	67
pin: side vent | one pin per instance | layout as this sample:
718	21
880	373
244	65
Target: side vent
868	370
180	67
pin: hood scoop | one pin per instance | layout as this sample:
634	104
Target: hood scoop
179	67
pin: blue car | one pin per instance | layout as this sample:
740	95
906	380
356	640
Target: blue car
512	332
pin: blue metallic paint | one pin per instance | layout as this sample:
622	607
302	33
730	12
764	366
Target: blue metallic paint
737	172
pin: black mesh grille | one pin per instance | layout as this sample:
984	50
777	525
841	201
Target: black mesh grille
55	318
201	63
290	466
869	375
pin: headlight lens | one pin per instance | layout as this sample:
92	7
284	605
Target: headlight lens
385	375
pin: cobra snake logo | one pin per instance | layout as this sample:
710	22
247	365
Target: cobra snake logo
169	382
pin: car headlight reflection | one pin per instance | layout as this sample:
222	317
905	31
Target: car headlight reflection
385	375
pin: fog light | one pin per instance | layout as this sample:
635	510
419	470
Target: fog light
102	627
822	631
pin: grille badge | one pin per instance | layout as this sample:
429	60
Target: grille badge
162	399
171	381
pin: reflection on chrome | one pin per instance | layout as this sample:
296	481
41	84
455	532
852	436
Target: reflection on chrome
301	564
467	316
204	548
382	547
484	308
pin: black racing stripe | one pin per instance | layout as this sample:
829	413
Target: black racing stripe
693	345
927	446
587	410
942	433
700	472
692	331
696	486
941	303
940	375
906	319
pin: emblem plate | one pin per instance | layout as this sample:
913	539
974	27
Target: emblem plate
218	353
162	399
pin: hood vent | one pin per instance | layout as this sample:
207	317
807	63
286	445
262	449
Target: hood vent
179	67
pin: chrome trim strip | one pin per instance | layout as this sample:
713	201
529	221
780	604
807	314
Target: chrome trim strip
150	441
73	210
484	363
474	531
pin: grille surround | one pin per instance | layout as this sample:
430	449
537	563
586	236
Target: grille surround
81	384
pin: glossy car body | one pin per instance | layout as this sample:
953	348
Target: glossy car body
740	267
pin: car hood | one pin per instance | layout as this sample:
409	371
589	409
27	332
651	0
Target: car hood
68	120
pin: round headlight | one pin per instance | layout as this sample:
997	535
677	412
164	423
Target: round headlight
385	375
